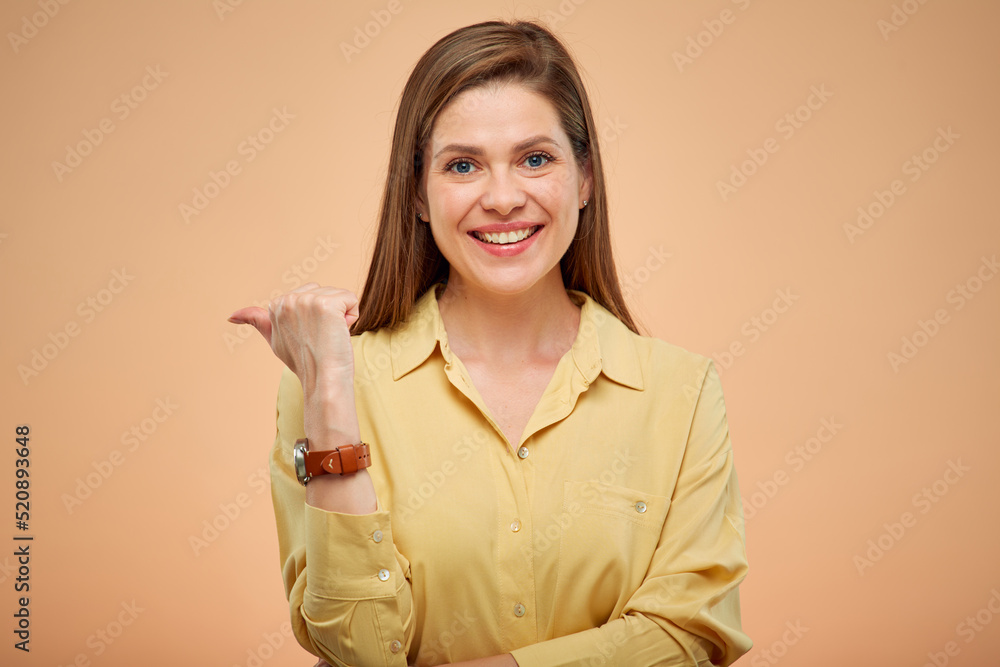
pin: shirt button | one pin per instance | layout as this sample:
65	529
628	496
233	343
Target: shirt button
640	507
377	536
395	645
519	610
383	574
515	525
522	453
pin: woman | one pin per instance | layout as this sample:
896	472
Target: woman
546	486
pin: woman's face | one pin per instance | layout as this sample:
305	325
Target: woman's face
501	189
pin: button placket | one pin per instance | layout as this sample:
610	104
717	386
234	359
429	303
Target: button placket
515	547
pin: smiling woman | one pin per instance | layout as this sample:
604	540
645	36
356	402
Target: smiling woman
482	460
504	196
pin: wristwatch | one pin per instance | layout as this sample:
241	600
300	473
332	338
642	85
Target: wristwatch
343	460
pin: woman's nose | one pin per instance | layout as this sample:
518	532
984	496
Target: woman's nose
503	193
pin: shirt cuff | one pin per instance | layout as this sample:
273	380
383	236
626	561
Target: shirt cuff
350	556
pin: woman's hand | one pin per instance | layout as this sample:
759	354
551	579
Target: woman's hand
309	330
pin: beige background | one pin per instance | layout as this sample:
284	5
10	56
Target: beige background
671	131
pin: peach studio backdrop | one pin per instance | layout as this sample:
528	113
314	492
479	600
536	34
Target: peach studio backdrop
805	191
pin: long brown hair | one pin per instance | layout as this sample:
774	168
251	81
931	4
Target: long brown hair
406	261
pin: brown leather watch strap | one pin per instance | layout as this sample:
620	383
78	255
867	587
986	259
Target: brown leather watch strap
343	460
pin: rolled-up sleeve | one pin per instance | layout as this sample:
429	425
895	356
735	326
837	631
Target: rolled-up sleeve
347	585
686	610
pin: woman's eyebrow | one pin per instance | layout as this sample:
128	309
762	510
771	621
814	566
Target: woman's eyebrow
477	151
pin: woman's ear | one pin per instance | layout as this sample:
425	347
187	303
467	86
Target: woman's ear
586	184
423	212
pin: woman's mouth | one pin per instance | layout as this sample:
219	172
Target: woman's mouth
504	238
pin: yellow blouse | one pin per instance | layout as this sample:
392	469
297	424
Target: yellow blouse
612	533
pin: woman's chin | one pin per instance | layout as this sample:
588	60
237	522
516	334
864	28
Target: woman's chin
508	283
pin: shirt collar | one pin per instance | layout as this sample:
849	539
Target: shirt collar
603	344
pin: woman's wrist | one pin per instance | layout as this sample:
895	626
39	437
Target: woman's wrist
330	416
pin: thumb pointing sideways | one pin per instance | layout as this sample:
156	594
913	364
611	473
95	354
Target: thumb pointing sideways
258	317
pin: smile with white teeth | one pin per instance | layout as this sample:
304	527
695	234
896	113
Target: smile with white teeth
503	238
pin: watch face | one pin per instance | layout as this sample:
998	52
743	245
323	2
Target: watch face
299	458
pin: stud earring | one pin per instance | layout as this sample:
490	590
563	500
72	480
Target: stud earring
585	203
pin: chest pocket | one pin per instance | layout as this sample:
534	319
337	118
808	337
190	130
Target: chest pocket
606	550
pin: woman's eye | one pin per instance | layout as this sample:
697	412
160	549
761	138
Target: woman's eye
536	161
461	167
